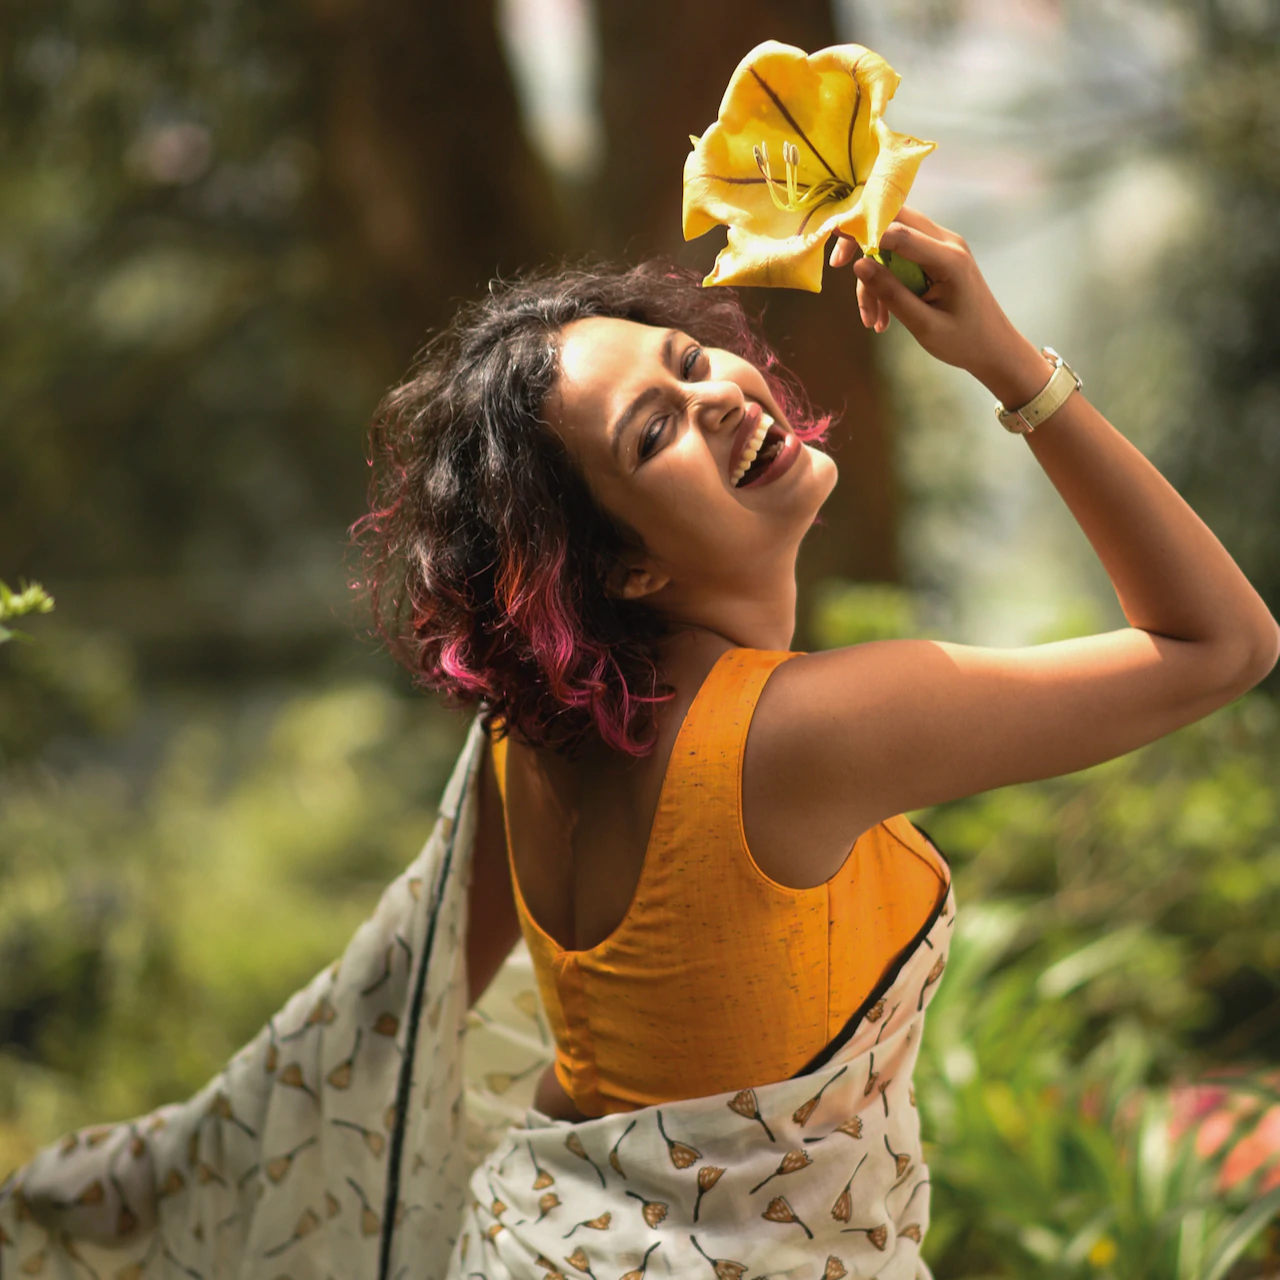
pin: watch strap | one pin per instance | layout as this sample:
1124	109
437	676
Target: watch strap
1052	396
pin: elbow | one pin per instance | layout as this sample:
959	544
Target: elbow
1257	659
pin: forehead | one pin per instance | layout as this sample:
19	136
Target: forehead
603	363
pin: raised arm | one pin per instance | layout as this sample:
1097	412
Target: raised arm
875	729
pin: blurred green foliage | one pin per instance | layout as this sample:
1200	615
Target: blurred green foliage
855	612
187	355
176	393
148	929
1114	940
30	597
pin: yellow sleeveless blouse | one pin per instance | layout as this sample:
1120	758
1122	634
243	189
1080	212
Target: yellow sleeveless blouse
718	977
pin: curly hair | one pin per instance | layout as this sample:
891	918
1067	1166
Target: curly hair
484	554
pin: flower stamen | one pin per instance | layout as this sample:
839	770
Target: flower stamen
787	195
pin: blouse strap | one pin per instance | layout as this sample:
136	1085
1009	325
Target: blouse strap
498	748
703	784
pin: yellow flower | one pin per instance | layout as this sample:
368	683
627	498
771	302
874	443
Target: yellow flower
799	150
1103	1253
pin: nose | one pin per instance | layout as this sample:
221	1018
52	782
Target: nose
719	406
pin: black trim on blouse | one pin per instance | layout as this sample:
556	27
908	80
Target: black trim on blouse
888	978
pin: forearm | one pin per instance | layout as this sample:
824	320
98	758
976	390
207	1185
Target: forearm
1173	577
1171	574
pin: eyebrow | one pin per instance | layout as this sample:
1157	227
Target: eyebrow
645	397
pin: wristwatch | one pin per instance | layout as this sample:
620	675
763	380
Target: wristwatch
1062	382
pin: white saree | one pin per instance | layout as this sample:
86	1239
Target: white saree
374	1130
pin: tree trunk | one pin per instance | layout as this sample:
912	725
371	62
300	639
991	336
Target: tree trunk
438	188
665	64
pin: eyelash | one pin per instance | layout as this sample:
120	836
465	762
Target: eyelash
650	437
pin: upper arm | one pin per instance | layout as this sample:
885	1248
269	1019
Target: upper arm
493	927
889	726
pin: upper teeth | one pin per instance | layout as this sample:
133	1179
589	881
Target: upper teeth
753	448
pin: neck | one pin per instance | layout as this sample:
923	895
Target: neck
765	623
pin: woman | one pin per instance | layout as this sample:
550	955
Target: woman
589	500
677	952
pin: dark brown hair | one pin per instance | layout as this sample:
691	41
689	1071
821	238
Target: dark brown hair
484	553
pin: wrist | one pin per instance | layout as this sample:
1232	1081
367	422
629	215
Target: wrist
1018	376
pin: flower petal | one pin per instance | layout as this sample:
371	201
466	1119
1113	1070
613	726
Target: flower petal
875	82
795	263
717	189
887	186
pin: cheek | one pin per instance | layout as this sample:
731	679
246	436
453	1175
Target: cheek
685	497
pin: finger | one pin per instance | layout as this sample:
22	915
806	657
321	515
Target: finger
882	320
914	218
866	305
846	251
937	257
871	309
884	287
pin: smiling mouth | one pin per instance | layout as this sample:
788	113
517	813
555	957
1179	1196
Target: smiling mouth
759	451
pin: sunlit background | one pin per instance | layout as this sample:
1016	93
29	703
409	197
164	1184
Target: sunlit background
224	230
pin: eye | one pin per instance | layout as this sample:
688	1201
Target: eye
692	359
650	435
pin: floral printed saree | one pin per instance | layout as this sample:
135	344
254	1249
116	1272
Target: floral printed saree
377	1130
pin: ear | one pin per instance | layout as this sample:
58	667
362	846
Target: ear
634	581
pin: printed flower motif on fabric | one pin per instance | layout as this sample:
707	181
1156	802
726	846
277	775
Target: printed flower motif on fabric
850	1128
574	1144
654	1212
780	1210
708	1176
725	1268
802	1114
842	1210
600	1223
682	1155
745	1105
614	1159
638	1273
792	1162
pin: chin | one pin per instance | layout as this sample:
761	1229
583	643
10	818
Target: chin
822	467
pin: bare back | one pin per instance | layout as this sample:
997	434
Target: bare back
579	828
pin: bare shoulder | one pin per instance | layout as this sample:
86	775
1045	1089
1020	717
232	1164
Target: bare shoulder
876	729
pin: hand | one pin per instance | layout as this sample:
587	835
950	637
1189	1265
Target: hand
958	320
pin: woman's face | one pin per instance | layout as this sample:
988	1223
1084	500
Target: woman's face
662	429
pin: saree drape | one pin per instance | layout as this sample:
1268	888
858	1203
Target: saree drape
377	1130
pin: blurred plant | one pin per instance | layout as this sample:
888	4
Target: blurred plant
30	597
152	919
1045	1166
1234	1119
1115	942
72	686
854	612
